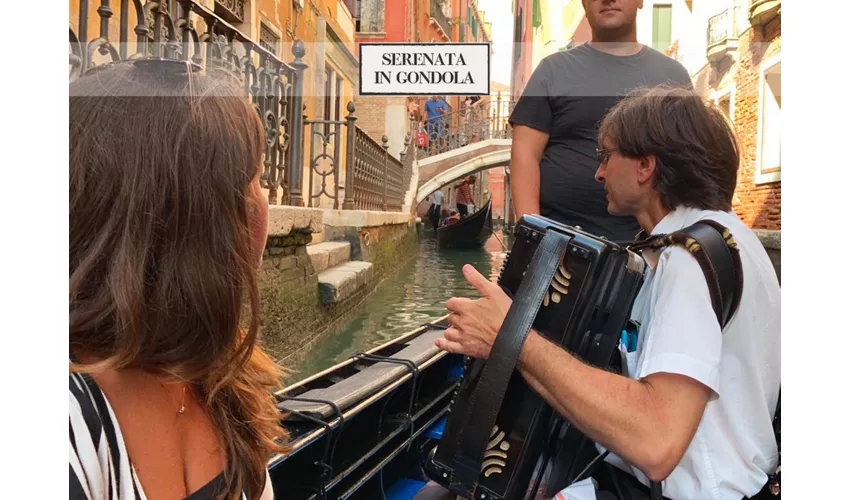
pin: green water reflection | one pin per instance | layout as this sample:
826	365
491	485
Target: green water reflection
415	294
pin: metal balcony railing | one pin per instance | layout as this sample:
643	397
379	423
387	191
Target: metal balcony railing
235	9
723	28
440	18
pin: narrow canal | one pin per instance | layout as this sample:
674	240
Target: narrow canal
415	294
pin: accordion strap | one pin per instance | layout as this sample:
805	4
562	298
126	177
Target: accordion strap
486	400
717	255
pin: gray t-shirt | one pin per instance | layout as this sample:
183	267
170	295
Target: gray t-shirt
567	96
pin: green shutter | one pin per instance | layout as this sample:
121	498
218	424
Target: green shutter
475	28
536	17
662	27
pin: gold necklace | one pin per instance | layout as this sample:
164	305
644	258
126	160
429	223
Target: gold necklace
182	399
182	409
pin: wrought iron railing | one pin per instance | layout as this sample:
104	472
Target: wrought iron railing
324	174
723	26
377	177
236	8
186	30
486	119
438	15
374	179
190	31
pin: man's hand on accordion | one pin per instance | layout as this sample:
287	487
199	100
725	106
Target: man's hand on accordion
475	323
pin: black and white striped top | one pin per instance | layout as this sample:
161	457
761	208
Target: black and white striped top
100	468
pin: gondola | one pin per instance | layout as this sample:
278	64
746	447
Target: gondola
360	429
368	427
471	231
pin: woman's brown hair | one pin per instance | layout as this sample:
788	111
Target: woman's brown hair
696	150
161	259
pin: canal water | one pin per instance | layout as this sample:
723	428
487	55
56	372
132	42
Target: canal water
413	295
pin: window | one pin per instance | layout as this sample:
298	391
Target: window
536	16
329	86
338	99
662	27
334	86
357	15
725	105
724	99
768	157
370	18
269	39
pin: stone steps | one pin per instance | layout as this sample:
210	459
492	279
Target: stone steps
329	254
344	280
339	277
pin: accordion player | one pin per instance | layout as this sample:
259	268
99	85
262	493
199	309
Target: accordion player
575	289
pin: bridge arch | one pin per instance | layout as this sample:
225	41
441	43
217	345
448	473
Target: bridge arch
486	161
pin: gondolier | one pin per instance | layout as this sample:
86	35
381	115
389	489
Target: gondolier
464	195
471	231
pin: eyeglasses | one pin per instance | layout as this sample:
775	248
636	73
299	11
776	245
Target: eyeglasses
603	155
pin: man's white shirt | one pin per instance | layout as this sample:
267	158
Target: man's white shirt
733	449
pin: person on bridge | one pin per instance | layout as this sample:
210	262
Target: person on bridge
694	405
435	124
555	120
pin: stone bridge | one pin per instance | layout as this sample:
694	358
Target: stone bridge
446	168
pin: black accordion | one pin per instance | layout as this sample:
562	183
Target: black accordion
573	288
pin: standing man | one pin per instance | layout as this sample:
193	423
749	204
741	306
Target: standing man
435	108
553	155
437	206
464	195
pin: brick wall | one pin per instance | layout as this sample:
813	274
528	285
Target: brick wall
758	205
371	112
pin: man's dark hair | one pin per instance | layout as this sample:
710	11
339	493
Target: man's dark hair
696	150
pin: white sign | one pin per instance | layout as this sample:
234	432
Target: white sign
424	68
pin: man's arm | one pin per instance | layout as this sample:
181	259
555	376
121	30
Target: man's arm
650	422
532	121
526	151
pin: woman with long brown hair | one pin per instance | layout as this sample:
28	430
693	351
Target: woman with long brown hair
170	393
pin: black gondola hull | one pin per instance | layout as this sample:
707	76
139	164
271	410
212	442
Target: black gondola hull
470	232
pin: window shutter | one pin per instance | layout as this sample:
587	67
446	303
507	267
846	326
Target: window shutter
536	17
